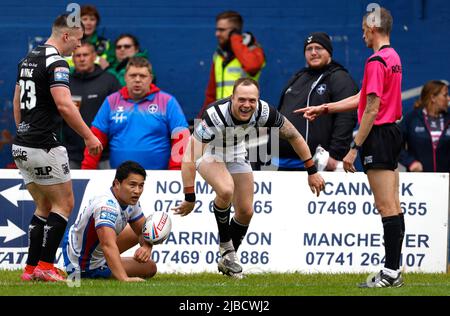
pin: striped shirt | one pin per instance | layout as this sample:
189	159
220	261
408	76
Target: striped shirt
225	135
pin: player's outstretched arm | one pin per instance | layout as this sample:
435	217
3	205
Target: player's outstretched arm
344	105
290	133
107	238
72	116
193	152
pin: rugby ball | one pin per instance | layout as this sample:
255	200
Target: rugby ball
157	228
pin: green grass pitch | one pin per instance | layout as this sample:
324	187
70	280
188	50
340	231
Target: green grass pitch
210	284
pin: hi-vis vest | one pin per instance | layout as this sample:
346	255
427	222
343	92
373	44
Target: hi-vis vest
225	77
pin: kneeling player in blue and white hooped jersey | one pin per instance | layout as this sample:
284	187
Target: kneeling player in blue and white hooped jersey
93	244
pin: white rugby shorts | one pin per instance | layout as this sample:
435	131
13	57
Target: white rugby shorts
41	166
238	165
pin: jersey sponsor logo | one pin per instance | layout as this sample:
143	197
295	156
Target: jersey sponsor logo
25	63
368	159
321	89
62	74
119	117
265	112
19	154
215	118
201	129
65	168
23	127
152	108
107	215
110	202
43	171
396	69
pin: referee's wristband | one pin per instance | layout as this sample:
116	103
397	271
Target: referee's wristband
311	170
189	197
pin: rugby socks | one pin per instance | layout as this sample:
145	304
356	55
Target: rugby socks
392	273
237	231
223	222
53	233
35	236
392	236
402	235
402	227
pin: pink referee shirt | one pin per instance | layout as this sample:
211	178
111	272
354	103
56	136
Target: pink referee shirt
383	77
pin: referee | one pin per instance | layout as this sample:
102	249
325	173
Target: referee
379	138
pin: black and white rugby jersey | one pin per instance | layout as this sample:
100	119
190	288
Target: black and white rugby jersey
41	123
227	135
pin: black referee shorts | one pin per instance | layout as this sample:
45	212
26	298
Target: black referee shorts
381	148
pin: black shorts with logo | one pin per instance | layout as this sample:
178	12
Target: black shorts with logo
381	148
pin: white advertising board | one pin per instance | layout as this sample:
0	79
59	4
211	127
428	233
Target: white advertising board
291	230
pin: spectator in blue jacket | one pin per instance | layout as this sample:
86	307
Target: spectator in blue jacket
426	131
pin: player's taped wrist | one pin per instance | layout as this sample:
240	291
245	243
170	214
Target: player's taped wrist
189	197
311	170
189	194
310	166
325	109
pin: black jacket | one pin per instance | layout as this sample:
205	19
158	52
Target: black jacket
334	131
93	88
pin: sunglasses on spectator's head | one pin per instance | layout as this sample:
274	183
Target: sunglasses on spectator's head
126	46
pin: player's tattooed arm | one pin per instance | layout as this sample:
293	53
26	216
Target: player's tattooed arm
291	134
288	131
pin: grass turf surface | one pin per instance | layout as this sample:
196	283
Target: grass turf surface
209	284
